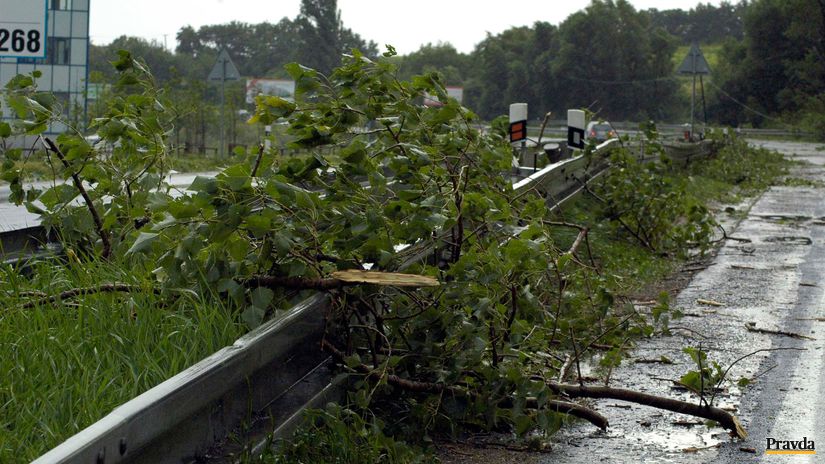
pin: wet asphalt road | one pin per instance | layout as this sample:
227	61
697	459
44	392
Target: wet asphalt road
13	217
775	281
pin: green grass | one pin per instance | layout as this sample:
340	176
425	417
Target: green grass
189	162
66	365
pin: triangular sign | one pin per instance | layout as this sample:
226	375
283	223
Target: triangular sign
695	62
224	69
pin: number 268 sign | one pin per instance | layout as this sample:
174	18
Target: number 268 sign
23	28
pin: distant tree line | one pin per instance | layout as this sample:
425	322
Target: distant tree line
703	24
775	76
618	61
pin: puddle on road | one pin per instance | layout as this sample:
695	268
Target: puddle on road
677	440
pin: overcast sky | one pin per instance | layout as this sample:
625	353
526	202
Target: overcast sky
404	24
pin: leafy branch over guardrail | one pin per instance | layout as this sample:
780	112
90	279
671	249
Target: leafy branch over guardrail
516	300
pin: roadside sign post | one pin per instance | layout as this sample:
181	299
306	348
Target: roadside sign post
695	64
575	129
267	140
23	28
518	126
224	70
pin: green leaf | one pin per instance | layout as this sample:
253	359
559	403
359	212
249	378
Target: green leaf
58	195
237	177
180	209
692	380
271	108
262	297
253	316
124	61
523	424
355	152
259	224
204	184
143	242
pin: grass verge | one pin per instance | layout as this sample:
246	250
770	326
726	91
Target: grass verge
66	365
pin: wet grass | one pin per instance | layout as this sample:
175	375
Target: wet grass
65	365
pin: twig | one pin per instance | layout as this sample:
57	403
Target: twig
105	288
725	236
104	237
661	360
258	161
576	352
568	361
578	242
513	312
752	328
543	126
763	350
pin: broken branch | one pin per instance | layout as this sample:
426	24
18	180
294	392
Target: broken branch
340	279
724	418
564	407
106	288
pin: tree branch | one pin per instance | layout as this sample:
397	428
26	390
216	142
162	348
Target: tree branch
579	238
340	279
564	407
105	288
104	236
258	161
724	418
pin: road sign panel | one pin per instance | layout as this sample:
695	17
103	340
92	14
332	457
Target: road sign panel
224	69
23	28
518	131
694	63
575	129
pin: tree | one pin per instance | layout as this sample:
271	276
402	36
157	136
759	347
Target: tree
162	63
442	57
323	37
704	24
778	70
610	58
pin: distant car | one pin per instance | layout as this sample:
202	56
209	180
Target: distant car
599	131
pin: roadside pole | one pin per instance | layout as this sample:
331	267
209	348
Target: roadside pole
224	70
575	129
518	129
694	64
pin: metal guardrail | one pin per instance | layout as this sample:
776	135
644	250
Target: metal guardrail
559	125
269	375
23	242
